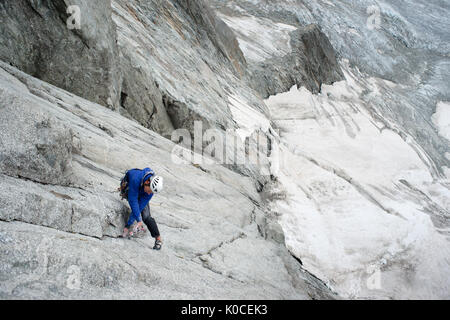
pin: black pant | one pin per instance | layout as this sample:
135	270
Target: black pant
150	222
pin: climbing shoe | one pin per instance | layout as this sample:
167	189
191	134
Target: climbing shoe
158	244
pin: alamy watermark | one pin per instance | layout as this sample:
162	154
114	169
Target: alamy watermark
74	21
230	147
373	281
74	279
374	20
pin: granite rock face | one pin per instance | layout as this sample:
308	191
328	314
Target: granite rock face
42	39
163	64
59	227
177	67
217	31
157	66
311	63
280	52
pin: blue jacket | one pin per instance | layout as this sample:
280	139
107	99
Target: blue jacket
137	198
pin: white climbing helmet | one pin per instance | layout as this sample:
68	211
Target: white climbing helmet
156	184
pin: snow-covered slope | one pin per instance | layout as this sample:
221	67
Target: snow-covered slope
361	204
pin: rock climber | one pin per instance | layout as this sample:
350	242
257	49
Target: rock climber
138	187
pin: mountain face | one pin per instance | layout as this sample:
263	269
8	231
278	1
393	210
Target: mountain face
362	186
349	196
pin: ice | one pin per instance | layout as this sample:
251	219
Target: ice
248	119
359	197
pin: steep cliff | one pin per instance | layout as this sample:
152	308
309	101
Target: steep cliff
61	215
157	66
40	38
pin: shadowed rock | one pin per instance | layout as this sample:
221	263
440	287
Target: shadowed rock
311	63
34	37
